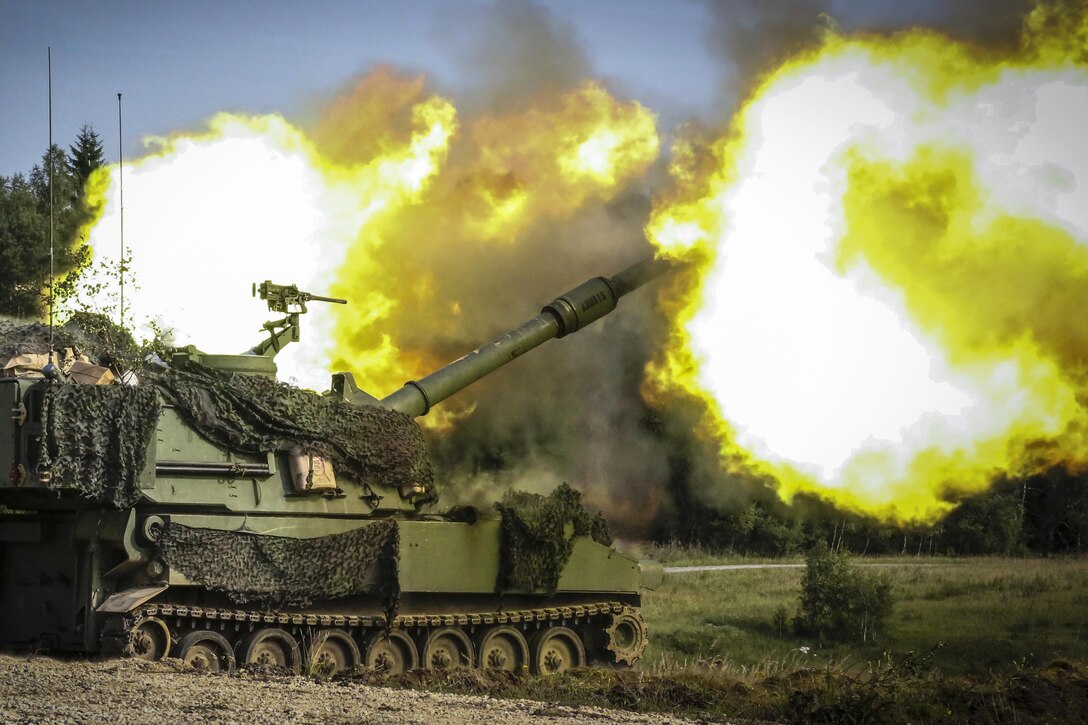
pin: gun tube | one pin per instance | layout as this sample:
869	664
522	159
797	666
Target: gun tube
569	313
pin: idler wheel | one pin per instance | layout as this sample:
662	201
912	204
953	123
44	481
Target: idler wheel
557	649
448	648
272	647
503	648
152	528
626	636
206	651
149	640
392	652
331	651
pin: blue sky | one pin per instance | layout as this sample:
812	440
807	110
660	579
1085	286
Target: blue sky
178	63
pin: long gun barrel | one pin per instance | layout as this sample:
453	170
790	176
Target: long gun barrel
569	313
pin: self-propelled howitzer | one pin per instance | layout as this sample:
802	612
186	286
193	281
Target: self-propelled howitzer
213	514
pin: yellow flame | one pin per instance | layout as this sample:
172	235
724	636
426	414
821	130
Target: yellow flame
891	255
253	198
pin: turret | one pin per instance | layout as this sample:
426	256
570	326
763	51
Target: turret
568	313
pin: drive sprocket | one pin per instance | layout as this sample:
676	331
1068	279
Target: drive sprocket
626	636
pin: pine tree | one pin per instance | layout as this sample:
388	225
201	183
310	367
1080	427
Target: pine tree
85	155
24	234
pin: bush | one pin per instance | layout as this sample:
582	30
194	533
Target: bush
780	619
839	602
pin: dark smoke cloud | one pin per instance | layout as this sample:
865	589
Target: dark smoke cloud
751	37
570	410
510	52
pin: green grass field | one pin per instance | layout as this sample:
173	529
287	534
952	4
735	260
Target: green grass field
979	615
978	640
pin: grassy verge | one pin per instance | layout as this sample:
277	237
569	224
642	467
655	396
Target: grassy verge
905	690
990	615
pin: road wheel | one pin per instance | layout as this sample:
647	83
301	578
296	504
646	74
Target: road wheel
273	647
149	640
448	648
331	651
557	649
206	651
503	648
393	652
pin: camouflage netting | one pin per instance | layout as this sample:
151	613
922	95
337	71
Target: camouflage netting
88	334
537	537
97	433
96	438
254	414
278	571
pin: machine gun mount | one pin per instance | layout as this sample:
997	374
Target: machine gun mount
289	300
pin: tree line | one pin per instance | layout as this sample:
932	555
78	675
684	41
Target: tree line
1043	514
25	202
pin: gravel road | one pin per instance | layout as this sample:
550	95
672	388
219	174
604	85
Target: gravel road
738	567
45	690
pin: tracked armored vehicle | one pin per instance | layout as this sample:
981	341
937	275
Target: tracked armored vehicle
213	514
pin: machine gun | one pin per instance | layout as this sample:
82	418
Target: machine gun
288	300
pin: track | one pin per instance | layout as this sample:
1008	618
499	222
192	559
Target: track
728	567
737	567
546	640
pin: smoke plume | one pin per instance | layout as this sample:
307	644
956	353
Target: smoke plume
752	38
508	225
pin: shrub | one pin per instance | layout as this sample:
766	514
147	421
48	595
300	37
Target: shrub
839	602
780	619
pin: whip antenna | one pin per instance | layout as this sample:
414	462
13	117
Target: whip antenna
49	57
121	180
